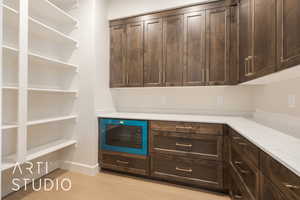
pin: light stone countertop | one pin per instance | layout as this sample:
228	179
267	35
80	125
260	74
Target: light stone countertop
282	147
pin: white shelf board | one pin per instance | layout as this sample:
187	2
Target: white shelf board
51	120
46	90
10	49
64	3
49	148
37	57
47	32
11	16
9	126
10	88
8	162
50	11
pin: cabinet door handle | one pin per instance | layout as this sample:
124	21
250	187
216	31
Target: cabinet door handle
184	170
293	187
122	162
236	138
250	66
246	66
203	75
184	145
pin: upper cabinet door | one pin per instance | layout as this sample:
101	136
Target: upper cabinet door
262	61
194	54
217	46
118	56
244	35
173	50
288	33
153	53
134	57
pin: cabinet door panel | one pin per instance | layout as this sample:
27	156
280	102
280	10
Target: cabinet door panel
117	56
194	39
217	46
288	33
153	60
264	37
173	50
244	37
134	51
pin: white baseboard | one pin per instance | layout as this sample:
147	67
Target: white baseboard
90	170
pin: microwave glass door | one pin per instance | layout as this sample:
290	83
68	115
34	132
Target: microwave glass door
129	136
124	136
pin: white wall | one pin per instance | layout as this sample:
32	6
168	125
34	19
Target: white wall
126	8
103	98
93	75
222	100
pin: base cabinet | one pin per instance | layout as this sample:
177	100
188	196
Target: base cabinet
210	156
261	176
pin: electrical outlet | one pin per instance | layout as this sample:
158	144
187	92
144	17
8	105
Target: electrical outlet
220	100
291	101
163	100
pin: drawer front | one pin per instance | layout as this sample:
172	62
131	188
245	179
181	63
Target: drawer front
198	172
184	144
237	189
248	173
283	178
187	127
125	163
245	147
269	191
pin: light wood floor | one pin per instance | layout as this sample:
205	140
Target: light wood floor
113	186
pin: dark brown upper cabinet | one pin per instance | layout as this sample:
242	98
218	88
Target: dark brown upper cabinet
134	54
194	54
153	53
118	56
257	38
288	29
217	46
173	50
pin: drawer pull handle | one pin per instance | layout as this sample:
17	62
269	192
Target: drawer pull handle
184	170
238	197
184	145
238	162
242	170
243	144
236	138
184	127
122	162
293	187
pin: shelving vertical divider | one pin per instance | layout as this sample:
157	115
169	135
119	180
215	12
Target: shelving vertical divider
23	82
1	42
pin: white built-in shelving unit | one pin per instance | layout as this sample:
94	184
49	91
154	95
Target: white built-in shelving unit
38	79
